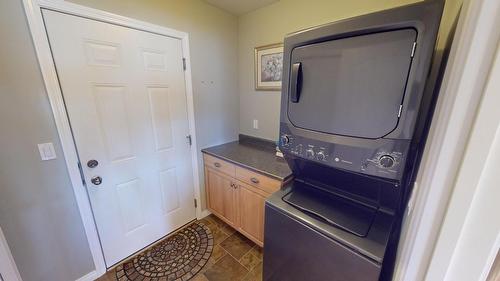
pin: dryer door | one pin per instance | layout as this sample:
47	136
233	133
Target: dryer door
351	86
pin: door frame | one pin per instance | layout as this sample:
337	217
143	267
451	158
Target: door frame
7	265
471	58
33	10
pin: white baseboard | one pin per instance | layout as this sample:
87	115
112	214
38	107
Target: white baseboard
204	213
91	276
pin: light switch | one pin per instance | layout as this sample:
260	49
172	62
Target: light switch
255	124
47	151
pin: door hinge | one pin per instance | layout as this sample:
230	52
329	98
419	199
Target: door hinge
413	49
195	203
190	140
400	109
184	63
82	177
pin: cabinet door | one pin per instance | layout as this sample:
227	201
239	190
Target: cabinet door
251	208
221	195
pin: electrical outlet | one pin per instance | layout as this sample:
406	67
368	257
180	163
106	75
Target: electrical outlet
255	124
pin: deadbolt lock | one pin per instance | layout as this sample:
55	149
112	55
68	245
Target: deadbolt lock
92	163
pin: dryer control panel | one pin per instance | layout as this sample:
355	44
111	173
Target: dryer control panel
386	160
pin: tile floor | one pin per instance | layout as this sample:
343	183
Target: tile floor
234	257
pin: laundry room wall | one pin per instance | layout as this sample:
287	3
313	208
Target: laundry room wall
269	25
213	38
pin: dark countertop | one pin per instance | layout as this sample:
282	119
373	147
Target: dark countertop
253	153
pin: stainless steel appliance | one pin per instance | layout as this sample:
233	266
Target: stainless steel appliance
356	102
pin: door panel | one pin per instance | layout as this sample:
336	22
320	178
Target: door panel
251	206
160	114
126	101
354	85
215	185
221	196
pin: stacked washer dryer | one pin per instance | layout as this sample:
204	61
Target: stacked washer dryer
356	103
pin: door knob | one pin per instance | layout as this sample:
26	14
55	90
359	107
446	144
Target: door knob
97	180
92	163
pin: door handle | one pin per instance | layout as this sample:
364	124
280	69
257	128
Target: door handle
254	180
296	82
217	164
97	180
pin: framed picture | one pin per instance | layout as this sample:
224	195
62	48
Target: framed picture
268	67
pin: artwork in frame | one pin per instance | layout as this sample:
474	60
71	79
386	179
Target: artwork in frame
268	67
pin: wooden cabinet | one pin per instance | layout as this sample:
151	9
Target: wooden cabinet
251	206
237	195
221	196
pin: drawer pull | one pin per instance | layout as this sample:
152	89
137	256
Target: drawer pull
254	180
217	164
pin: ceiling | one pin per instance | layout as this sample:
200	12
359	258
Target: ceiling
240	7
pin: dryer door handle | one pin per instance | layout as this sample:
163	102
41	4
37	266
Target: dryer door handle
296	82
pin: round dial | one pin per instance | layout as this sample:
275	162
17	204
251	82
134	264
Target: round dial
386	161
285	139
321	155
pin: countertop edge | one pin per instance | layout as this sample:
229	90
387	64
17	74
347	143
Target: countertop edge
248	167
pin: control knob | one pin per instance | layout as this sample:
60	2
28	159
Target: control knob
321	156
285	139
298	149
386	161
310	153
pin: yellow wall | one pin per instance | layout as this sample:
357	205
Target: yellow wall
270	25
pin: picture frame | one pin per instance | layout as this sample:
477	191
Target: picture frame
268	64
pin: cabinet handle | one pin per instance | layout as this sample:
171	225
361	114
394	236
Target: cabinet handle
217	164
254	180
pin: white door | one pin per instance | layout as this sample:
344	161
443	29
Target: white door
125	96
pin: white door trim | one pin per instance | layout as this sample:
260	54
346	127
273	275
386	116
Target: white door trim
37	27
470	60
8	268
488	268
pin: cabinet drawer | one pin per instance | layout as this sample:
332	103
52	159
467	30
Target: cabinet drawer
262	182
219	164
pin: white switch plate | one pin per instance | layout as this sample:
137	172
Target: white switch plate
255	124
47	151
